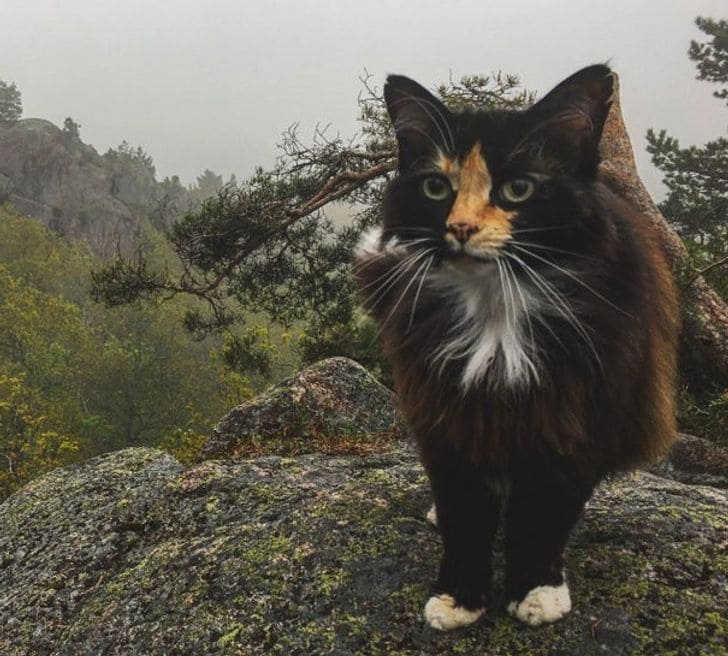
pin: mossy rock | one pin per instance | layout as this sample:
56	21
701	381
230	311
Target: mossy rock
332	400
696	461
129	554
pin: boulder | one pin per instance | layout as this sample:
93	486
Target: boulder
697	461
130	554
331	400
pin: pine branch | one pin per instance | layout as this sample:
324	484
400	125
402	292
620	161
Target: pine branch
703	271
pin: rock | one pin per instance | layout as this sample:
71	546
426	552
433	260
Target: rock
696	461
6	187
65	184
128	554
330	399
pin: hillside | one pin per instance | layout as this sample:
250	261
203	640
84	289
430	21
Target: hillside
100	200
78	379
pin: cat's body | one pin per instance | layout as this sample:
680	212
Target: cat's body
531	322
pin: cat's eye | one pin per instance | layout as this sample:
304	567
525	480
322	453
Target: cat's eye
436	188
517	190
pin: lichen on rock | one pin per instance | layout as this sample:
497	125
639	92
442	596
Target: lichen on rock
331	401
131	554
697	461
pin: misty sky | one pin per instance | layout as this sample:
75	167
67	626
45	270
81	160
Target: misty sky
212	85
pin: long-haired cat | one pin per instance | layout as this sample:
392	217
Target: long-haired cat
531	322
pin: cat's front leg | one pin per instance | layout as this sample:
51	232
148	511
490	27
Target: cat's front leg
467	516
541	511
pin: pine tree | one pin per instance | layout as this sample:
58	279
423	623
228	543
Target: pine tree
697	177
11	106
267	245
697	207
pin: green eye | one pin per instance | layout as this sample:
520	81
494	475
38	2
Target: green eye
436	188
517	190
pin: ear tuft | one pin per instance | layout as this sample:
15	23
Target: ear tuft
421	122
573	113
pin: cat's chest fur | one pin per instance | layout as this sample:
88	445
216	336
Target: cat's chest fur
488	317
490	327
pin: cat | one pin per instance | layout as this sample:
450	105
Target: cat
531	321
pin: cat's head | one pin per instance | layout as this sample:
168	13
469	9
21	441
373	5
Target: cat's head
475	181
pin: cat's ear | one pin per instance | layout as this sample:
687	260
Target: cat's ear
573	113
421	122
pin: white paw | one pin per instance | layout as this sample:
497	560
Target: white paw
441	613
432	516
544	604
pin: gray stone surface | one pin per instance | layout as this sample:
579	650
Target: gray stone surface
130	554
65	184
696	461
330	399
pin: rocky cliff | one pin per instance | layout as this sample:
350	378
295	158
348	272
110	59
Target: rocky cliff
131	553
54	177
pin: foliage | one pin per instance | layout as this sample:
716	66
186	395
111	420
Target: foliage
185	444
706	416
697	177
697	206
712	57
30	443
71	129
11	106
267	244
207	184
133	177
134	183
79	379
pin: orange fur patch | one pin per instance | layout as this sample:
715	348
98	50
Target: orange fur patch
472	203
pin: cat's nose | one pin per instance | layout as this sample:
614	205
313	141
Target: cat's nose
462	230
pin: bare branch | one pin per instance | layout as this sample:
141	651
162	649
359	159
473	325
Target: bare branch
703	271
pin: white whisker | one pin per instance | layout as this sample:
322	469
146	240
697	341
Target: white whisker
526	313
546	229
559	304
389	274
576	279
419	289
402	295
381	291
384	253
527	244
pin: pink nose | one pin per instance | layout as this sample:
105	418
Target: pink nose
462	230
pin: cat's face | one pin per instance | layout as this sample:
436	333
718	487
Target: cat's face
480	182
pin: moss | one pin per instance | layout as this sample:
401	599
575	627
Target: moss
508	637
411	597
330	580
334	556
231	635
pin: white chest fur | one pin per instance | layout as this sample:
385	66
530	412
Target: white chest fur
492	317
492	325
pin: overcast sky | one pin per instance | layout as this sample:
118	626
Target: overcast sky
213	84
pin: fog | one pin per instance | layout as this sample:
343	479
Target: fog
212	85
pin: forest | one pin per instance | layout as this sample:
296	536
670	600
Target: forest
137	311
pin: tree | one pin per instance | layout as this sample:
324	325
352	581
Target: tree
697	178
29	442
11	106
696	206
77	379
712	57
206	185
71	129
268	245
